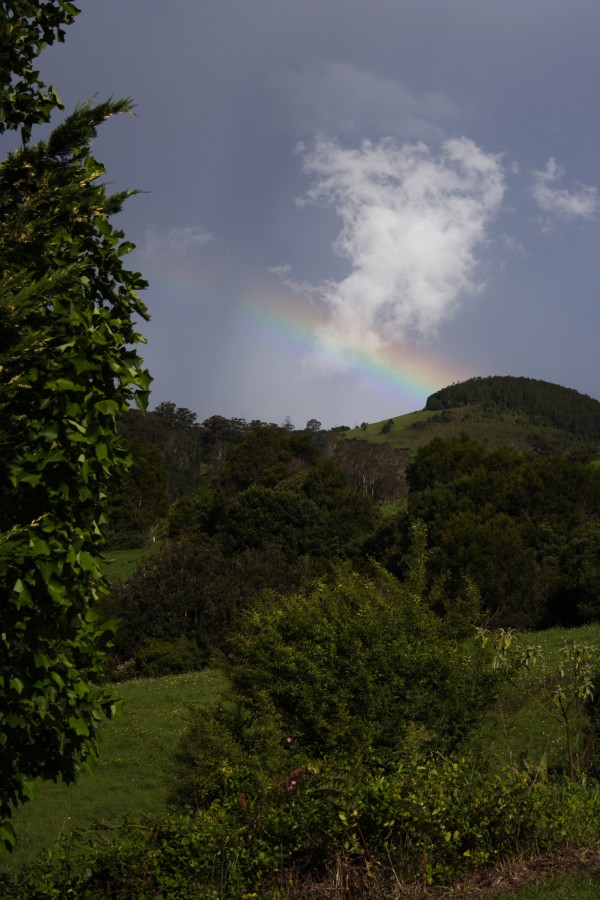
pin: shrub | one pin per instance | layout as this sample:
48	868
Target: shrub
173	657
353	661
431	821
230	753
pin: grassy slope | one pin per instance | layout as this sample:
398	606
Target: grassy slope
134	760
578	886
119	564
499	428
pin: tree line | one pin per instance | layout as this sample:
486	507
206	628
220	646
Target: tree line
274	508
544	402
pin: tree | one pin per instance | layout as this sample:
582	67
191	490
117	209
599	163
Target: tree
288	519
176	417
26	27
67	369
141	498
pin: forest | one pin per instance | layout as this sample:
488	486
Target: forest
239	508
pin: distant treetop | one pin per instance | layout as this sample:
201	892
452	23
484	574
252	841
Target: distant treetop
560	406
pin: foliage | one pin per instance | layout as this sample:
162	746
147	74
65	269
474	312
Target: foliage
230	541
232	752
268	819
173	595
377	470
192	590
353	663
26	27
558	405
67	369
313	425
171	657
140	501
565	691
284	518
164	433
523	529
176	417
432	821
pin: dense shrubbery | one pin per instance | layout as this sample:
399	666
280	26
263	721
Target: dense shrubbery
353	669
191	590
434	820
352	664
525	530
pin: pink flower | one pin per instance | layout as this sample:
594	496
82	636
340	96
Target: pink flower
289	740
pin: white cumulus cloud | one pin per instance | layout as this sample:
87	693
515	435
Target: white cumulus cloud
412	221
557	202
177	241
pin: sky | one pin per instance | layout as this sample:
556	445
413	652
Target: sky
350	204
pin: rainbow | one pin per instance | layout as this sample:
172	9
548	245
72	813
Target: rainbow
287	323
294	325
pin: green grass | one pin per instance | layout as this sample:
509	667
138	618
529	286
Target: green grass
119	564
519	729
577	886
390	510
131	777
497	428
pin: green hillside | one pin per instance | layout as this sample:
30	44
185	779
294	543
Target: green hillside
523	413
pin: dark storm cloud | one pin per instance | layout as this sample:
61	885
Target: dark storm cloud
225	90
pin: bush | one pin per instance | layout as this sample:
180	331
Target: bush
431	821
230	753
351	663
174	657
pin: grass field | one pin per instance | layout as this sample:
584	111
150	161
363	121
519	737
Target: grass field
414	430
119	564
563	887
131	777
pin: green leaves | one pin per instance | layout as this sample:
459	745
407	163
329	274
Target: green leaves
26	27
68	368
563	690
352	664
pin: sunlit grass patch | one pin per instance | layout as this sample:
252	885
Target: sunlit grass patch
119	564
131	777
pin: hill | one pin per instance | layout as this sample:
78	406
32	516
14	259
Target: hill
522	413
